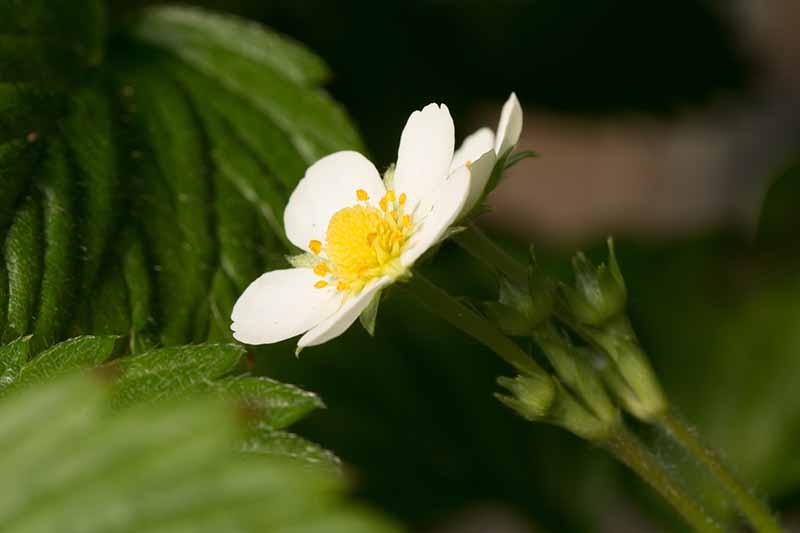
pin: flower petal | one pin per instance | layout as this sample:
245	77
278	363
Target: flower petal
480	171
425	153
282	304
342	319
510	126
473	147
442	213
329	185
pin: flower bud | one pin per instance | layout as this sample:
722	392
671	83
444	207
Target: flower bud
599	293
520	310
576	372
632	379
543	399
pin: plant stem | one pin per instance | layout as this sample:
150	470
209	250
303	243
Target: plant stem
622	444
474	241
752	507
472	323
630	451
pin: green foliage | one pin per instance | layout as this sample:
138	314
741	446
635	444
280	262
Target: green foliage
145	167
153	468
143	172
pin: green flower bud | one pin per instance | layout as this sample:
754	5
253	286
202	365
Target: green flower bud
531	396
520	310
543	399
632	379
599	293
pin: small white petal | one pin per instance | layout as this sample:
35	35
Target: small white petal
473	148
425	153
282	304
329	185
338	323
480	171
445	209
510	126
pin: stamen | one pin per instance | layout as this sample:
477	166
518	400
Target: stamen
322	269
390	195
405	221
468	163
341	286
362	195
383	204
315	246
403	198
321	284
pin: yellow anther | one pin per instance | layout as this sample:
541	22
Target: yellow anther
383	204
371	238
321	284
315	246
321	269
405	221
403	198
362	195
341	286
390	195
468	163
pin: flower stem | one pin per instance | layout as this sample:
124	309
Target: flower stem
752	507
474	241
629	450
471	323
622	444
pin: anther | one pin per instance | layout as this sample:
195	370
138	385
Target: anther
315	246
321	284
362	195
341	286
321	269
403	198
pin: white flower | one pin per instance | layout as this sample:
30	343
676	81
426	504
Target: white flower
362	236
480	150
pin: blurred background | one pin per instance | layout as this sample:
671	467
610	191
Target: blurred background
674	126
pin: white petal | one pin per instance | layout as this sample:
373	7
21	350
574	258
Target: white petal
480	171
329	185
282	304
473	148
338	323
425	153
510	126
443	212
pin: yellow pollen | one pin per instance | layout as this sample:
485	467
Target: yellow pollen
315	246
360	242
403	199
321	269
341	286
362	195
321	284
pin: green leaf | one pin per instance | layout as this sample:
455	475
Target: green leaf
154	468
59	278
23	257
13	357
172	372
66	357
274	405
283	445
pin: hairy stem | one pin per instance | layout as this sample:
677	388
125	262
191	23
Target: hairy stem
630	451
755	510
471	323
484	249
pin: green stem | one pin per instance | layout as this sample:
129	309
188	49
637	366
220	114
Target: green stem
484	249
623	445
630	451
471	323
752	507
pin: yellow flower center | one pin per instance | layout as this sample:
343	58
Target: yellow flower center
363	242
